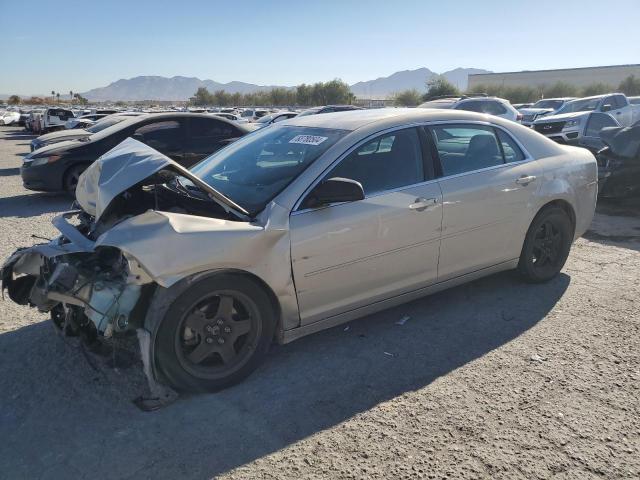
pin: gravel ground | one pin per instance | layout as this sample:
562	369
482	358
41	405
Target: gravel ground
494	379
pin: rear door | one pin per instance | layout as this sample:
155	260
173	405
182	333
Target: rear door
349	255
488	184
206	135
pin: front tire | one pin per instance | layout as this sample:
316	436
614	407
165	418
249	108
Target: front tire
546	246
71	177
214	334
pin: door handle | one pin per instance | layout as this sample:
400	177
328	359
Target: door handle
525	179
421	204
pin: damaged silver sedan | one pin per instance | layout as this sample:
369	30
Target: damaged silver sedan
299	227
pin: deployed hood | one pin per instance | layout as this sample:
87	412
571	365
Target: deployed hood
623	141
535	111
562	117
130	163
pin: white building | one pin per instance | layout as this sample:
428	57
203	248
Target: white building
580	77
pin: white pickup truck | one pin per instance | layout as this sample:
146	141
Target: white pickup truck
566	124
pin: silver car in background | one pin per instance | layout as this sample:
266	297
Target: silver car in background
299	227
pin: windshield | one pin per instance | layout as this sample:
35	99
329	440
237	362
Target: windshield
555	104
102	124
116	127
584	105
265	119
311	111
253	170
438	104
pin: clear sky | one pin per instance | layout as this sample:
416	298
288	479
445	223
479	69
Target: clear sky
78	45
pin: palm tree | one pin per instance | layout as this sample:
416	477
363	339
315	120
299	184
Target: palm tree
71	95
53	94
58	97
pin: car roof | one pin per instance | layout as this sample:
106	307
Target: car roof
172	115
355	119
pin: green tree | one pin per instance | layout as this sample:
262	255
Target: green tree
407	98
58	97
81	100
560	89
14	100
630	86
438	86
596	89
202	97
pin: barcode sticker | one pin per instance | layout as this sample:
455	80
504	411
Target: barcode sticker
308	139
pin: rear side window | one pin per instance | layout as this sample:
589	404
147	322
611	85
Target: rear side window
204	127
471	106
510	149
390	161
494	108
465	148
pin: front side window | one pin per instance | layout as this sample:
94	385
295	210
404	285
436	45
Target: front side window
598	121
390	161
465	148
254	169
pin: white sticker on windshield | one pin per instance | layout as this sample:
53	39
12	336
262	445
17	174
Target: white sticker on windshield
308	139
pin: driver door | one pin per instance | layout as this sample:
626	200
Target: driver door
348	255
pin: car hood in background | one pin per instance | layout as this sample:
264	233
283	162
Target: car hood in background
535	111
562	117
127	164
54	148
59	136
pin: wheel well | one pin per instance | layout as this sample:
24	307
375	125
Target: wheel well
71	167
272	296
564	205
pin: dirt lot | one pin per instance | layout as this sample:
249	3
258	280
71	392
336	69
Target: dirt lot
495	379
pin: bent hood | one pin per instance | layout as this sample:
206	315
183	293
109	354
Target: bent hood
562	117
127	164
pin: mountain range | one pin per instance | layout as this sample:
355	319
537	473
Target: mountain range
181	88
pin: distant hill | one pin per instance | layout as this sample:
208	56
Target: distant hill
407	79
163	88
181	88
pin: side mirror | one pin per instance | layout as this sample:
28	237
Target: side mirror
606	108
334	190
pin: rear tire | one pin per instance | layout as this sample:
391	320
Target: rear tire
214	334
546	246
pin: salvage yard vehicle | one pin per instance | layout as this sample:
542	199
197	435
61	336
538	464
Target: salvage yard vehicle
185	137
299	227
563	126
274	118
582	130
619	162
54	118
328	109
476	103
545	106
9	117
79	133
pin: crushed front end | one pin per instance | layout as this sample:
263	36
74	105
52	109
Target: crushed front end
87	290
